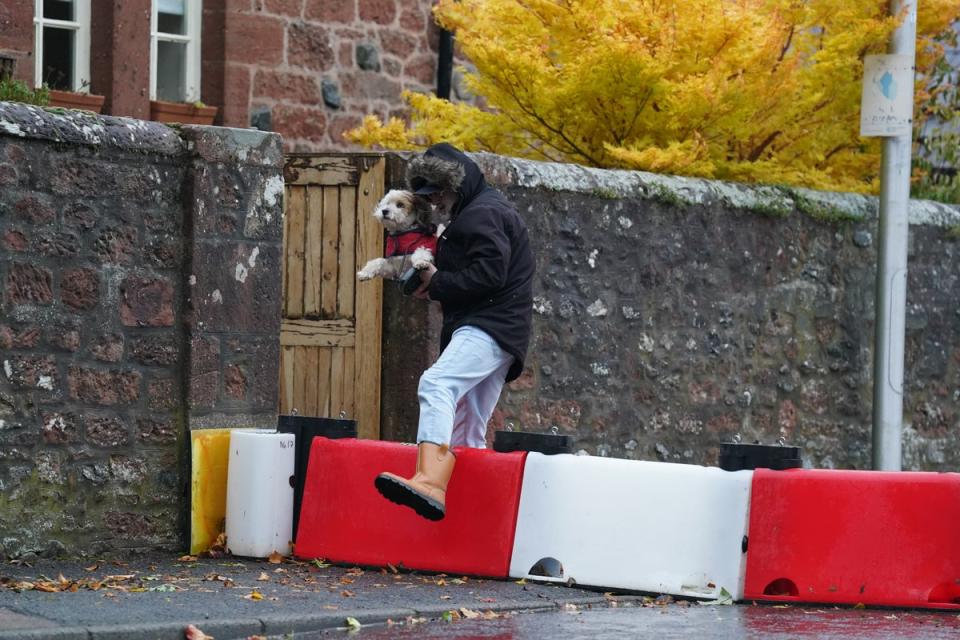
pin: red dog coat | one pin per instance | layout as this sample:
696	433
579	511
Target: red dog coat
403	244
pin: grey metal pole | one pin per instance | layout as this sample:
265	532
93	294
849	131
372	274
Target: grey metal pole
891	285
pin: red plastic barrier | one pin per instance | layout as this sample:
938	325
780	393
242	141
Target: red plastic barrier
848	537
345	519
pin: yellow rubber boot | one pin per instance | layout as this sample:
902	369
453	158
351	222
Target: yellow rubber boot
426	491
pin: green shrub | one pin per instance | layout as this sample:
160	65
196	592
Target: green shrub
19	91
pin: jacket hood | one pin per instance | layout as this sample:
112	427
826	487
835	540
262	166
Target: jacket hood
449	168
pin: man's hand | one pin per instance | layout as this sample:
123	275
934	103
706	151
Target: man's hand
426	275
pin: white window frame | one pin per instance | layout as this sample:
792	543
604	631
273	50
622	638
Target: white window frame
81	43
194	12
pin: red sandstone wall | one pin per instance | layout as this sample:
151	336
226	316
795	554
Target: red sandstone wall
16	36
341	59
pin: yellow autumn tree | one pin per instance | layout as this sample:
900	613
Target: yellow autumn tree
746	90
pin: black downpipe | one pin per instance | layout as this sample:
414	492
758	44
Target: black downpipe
444	64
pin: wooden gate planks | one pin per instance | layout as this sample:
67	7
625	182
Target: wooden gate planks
330	333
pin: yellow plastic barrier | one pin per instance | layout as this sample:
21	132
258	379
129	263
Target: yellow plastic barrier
210	452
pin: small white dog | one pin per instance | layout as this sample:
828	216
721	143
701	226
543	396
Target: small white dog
411	236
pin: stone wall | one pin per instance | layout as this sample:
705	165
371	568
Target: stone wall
672	314
139	297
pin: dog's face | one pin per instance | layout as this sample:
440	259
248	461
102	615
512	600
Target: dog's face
398	211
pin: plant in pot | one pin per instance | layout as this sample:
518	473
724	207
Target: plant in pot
182	112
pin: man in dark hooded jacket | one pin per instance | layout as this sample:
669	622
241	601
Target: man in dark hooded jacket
483	279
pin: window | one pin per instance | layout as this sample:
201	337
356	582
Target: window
175	50
62	40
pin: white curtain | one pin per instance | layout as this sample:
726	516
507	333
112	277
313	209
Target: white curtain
174	7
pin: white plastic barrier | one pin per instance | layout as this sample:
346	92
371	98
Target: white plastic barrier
259	493
645	526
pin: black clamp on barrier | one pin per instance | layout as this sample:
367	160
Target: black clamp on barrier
305	429
736	456
546	443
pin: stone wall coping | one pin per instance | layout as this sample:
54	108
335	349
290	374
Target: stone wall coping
505	171
72	126
228	144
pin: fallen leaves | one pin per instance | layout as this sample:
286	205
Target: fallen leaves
226	581
218	549
165	588
353	624
275	558
725	598
62	584
193	633
254	580
466	614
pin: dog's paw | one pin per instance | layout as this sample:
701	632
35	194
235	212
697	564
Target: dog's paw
421	258
372	269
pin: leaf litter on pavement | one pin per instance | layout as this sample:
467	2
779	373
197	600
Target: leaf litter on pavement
259	581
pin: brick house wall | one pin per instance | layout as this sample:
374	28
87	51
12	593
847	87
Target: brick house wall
306	69
339	60
16	36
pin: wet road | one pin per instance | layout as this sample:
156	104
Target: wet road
673	621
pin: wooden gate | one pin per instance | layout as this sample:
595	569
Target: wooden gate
330	332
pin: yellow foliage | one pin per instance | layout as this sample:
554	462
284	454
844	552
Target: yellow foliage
747	90
392	135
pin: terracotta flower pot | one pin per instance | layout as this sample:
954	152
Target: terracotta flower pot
72	100
181	112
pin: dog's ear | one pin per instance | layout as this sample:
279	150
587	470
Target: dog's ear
407	197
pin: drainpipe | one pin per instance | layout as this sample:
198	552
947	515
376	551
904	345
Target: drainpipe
891	284
444	64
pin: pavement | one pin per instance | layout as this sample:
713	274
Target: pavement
162	596
158	596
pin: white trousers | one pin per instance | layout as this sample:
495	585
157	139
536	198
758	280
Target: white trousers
460	391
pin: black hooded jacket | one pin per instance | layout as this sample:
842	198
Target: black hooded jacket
484	263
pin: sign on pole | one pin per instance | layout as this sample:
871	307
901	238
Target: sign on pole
886	106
